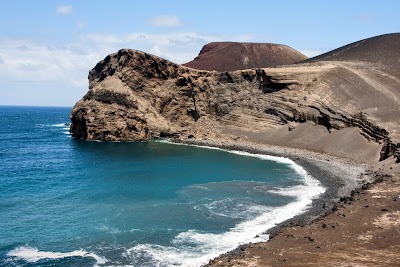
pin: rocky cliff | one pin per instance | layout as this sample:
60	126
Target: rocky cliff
339	105
231	56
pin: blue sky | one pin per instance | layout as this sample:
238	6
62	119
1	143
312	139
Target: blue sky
48	47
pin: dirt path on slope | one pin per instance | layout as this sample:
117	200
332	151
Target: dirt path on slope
367	73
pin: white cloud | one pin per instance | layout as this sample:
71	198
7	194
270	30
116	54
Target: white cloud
80	24
64	10
166	21
179	47
36	62
63	68
311	53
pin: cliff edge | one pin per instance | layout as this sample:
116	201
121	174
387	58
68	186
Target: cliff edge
336	103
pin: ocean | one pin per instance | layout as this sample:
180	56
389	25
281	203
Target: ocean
69	202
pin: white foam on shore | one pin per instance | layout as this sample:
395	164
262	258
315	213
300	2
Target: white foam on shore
278	159
60	125
194	248
30	254
229	207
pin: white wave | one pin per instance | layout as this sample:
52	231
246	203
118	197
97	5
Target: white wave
229	207
167	141
60	125
278	159
202	187
194	248
109	229
292	191
30	254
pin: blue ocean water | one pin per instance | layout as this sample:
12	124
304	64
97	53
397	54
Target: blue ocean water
69	202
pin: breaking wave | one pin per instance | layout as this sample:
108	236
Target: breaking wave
30	254
194	248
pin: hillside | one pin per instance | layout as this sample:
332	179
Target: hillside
230	56
382	49
345	107
344	103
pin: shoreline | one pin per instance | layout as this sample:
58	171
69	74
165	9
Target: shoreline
328	170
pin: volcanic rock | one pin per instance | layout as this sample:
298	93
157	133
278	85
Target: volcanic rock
230	56
344	102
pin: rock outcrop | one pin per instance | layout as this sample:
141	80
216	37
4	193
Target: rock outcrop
344	107
231	56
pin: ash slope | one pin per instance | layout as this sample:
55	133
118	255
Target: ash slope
337	103
231	56
383	49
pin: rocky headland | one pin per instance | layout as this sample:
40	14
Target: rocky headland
344	103
344	107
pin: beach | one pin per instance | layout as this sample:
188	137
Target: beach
359	212
361	230
335	116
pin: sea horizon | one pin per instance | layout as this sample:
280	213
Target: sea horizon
33	106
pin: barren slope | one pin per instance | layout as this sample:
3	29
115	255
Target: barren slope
383	50
347	108
230	56
345	103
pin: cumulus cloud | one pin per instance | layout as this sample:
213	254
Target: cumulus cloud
178	47
44	65
36	62
64	10
166	21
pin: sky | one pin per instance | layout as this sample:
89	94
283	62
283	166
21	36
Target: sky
48	47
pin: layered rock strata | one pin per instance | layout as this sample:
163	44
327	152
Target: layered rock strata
328	106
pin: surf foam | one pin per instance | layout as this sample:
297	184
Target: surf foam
30	254
194	248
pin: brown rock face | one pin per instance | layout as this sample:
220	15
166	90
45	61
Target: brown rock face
231	56
344	107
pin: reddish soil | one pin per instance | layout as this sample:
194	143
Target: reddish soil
230	56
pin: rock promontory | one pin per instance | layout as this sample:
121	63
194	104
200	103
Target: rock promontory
344	102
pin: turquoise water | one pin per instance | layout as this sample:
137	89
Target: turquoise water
68	202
